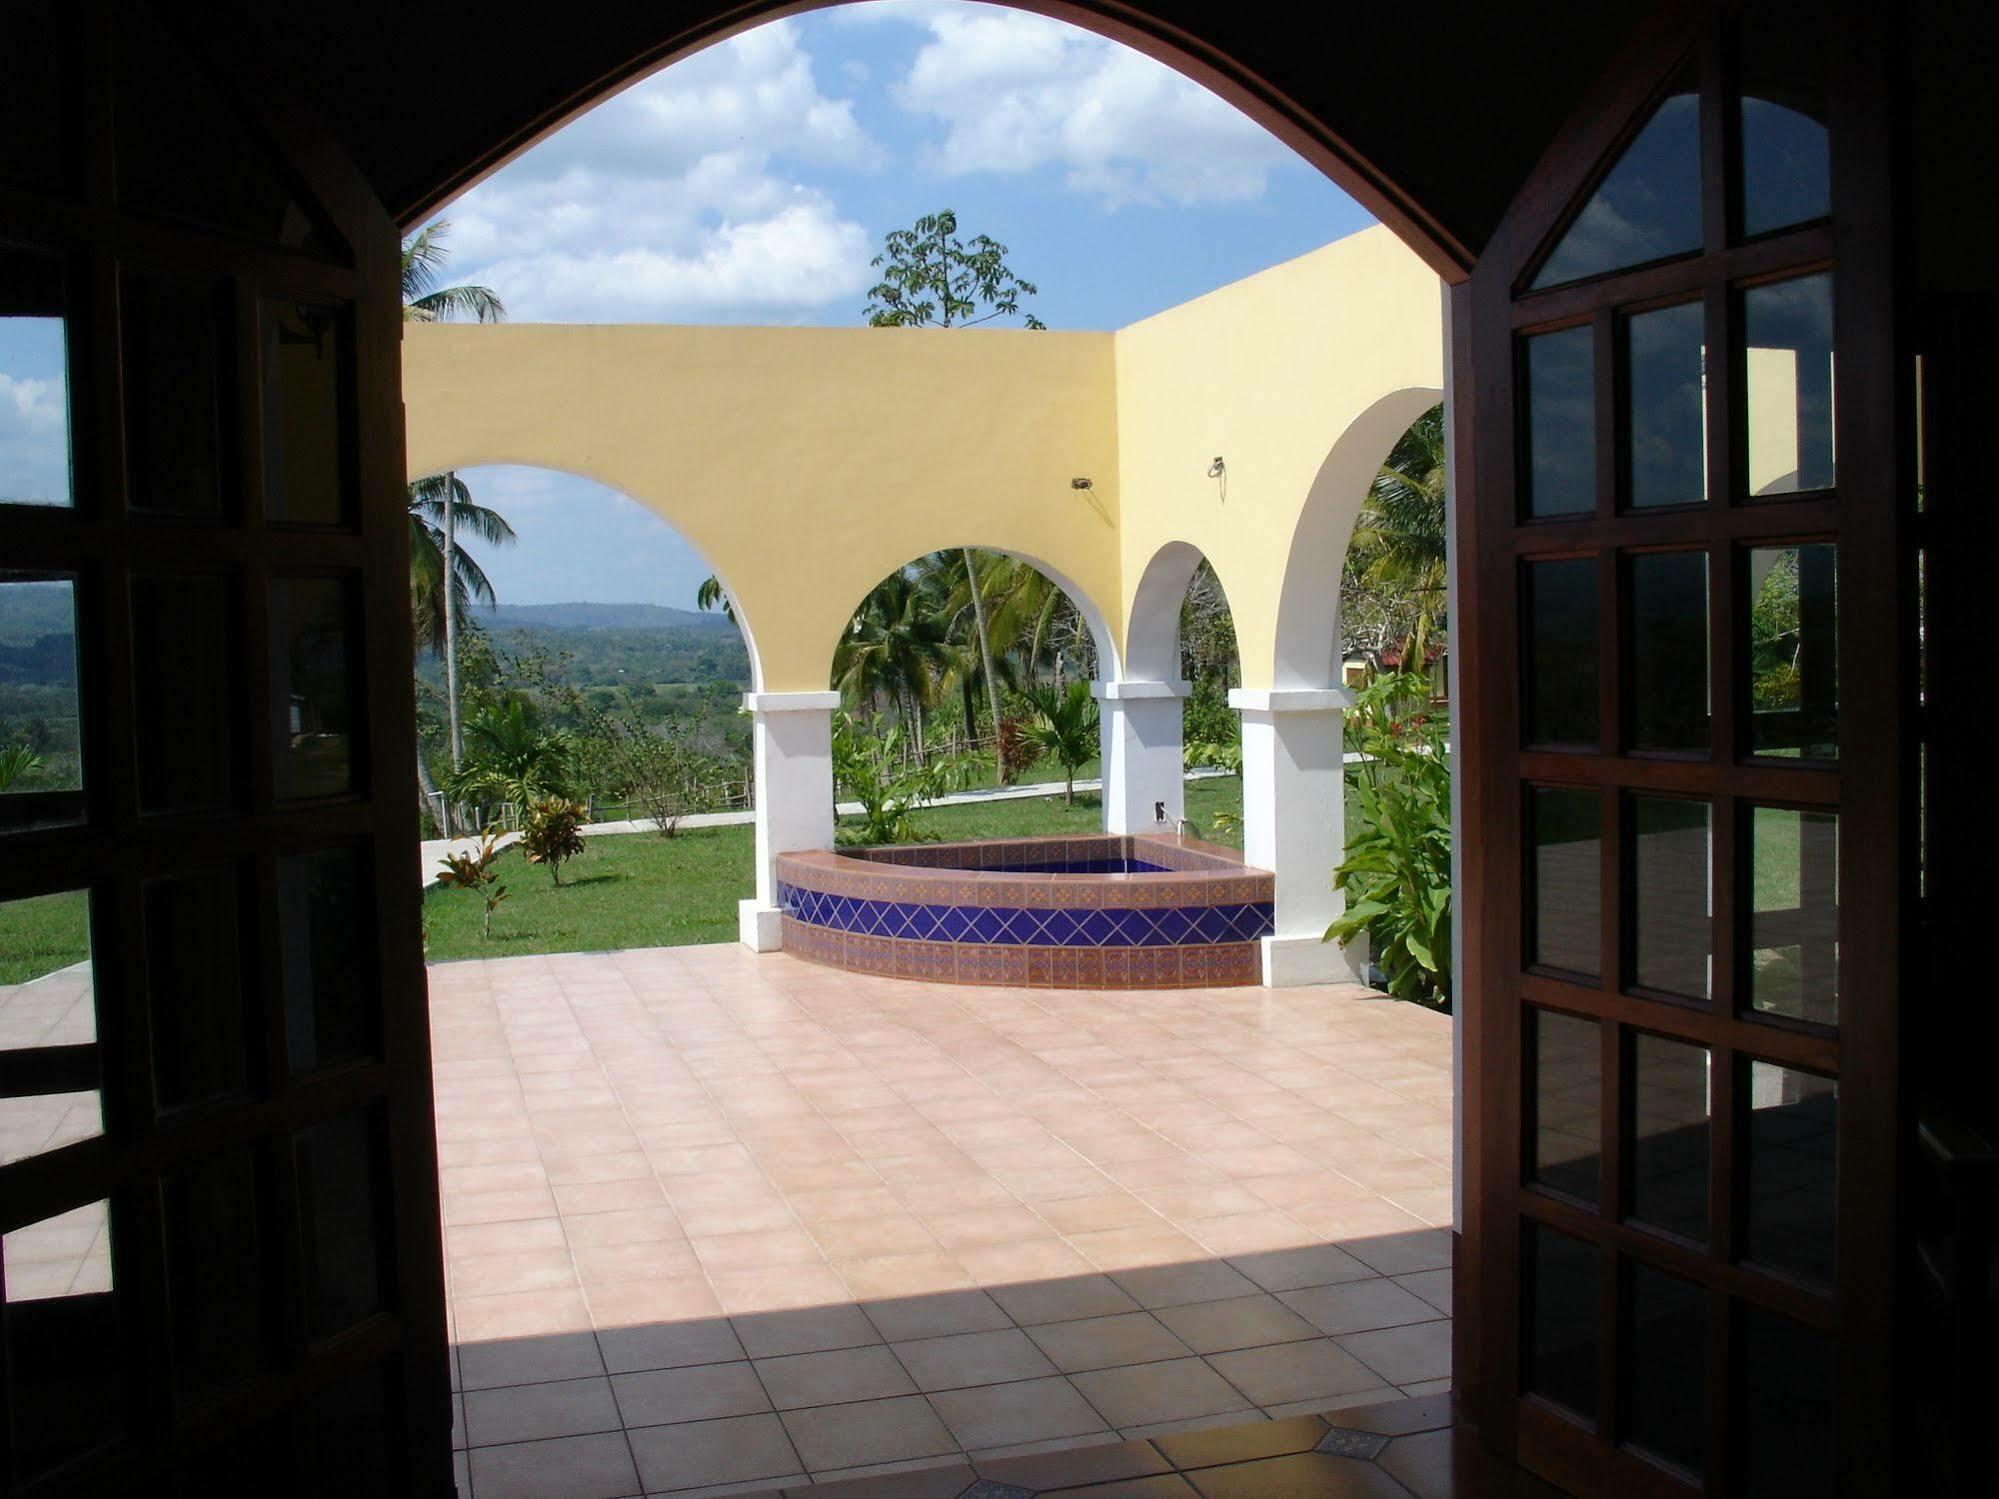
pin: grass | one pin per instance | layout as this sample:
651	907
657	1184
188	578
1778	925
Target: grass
43	933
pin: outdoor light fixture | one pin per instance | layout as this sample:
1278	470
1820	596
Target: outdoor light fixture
1217	468
1079	483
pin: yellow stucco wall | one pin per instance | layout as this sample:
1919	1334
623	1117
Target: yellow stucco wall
808	463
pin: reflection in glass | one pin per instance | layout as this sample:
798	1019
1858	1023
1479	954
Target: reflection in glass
1665	411
1647	207
1669	681
185	717
1786	158
1665	1367
41	729
337	1218
304	447
312	687
324	920
1567	1106
1559	1341
171	364
1794	921
194	986
1561	423
1793	1126
48	1005
64	1379
1787	338
1669	1135
1566	902
215	1272
1673	900
1794	651
34	381
1562	653
1789	1380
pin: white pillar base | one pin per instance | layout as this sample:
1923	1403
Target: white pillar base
793	745
760	927
1144	765
1294	824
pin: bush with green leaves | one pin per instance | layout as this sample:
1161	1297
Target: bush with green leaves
657	766
474	871
18	761
1397	873
552	833
873	771
510	758
1066	727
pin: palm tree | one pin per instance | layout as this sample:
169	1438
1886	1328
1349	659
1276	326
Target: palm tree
508	758
1398	541
434	554
1067	728
898	649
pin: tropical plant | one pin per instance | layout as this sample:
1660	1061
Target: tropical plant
657	766
1066	727
712	595
474	871
1395	584
424	300
509	758
1397	873
872	771
553	833
468	581
897	649
1214	755
16	761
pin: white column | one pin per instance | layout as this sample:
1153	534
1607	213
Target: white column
1145	776
793	746
1294	824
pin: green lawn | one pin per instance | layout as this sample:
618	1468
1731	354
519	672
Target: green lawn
42	934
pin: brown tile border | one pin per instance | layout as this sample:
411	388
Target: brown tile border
1211	966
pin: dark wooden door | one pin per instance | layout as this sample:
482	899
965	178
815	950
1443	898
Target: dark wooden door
217	1173
1686	613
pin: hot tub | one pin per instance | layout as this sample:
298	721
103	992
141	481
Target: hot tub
1143	911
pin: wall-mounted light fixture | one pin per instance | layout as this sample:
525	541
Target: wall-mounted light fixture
1080	483
1217	468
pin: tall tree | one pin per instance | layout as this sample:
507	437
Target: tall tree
932	277
897	648
427	300
1395	586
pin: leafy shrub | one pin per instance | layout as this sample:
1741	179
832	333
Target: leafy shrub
16	761
1207	718
474	871
871	771
1397	872
554	833
1017	751
1066	727
658	767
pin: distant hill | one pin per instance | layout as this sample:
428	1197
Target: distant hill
600	617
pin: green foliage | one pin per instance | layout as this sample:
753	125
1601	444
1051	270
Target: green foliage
474	871
1397	873
657	767
509	758
424	300
1067	727
553	834
873	771
16	761
1207	717
1206	753
931	277
468	584
1393	589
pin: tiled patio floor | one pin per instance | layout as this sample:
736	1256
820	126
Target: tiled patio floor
714	1219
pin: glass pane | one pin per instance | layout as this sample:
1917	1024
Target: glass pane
1793	1128
34	381
215	1273
37	126
41	743
1788	1381
338	1223
1786	158
194	987
1673	896
1794	921
324	920
1566	901
172	356
64	1379
1794	651
312	687
1787	338
1648	207
1669	1105
184	657
1561	423
304	436
1559	1341
1562	653
1567	1106
48	1003
1669	679
1665	407
1665	1363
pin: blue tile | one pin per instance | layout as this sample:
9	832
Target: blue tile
1172	925
953	922
985	925
1094	928
1214	924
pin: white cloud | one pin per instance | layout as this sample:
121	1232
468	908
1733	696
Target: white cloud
34	440
1016	92
672	201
